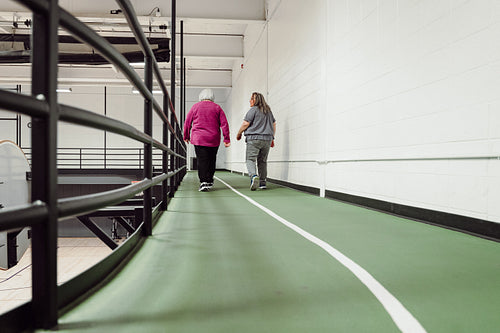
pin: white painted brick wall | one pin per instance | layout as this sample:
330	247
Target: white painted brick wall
433	98
295	80
253	77
402	79
8	127
74	136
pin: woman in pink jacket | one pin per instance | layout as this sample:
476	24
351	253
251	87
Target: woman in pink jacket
202	129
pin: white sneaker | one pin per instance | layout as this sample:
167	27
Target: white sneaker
254	183
204	187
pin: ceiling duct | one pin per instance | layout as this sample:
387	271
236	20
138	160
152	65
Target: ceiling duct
71	51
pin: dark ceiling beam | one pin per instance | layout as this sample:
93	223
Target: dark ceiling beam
72	40
19	57
161	50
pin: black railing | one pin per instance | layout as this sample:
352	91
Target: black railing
102	158
43	213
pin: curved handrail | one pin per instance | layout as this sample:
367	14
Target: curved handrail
87	203
30	105
42	216
129	14
89	36
23	216
91	119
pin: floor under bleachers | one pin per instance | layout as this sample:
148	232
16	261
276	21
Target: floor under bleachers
74	255
279	260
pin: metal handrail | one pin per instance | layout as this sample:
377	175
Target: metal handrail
109	158
89	36
42	215
23	216
25	104
88	203
129	14
90	119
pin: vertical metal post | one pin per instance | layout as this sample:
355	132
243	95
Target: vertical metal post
178	160
18	122
181	74
164	184
172	98
105	133
44	159
183	117
140	158
148	148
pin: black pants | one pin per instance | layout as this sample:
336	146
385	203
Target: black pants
206	162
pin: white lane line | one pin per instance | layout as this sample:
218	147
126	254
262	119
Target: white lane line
403	319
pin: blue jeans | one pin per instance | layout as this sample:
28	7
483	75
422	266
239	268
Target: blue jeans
257	151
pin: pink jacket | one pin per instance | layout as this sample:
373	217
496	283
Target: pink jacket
203	123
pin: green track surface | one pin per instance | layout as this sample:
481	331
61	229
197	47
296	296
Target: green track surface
216	263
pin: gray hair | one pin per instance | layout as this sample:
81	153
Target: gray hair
206	94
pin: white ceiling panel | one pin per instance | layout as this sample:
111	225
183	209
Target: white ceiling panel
213	45
216	63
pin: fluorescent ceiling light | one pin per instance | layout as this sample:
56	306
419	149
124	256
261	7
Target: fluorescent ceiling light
64	90
135	91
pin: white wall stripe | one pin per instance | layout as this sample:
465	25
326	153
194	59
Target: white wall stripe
403	319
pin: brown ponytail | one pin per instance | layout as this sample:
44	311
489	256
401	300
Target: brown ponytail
260	102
